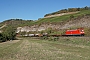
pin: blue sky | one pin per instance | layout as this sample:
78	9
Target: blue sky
34	9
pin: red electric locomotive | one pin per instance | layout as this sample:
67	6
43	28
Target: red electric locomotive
77	32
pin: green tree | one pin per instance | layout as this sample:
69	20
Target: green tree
9	33
49	30
86	7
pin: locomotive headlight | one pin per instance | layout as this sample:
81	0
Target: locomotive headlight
82	30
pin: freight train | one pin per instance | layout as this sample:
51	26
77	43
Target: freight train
76	32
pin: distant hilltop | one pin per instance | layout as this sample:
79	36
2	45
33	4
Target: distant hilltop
66	11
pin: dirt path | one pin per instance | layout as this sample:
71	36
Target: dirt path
2	26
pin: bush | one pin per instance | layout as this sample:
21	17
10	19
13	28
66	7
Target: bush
53	38
44	37
50	39
56	38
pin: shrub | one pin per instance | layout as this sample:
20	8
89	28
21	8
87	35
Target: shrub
56	38
44	37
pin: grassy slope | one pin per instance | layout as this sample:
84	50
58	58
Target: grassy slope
63	49
62	18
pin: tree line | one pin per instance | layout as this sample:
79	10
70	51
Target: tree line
68	10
